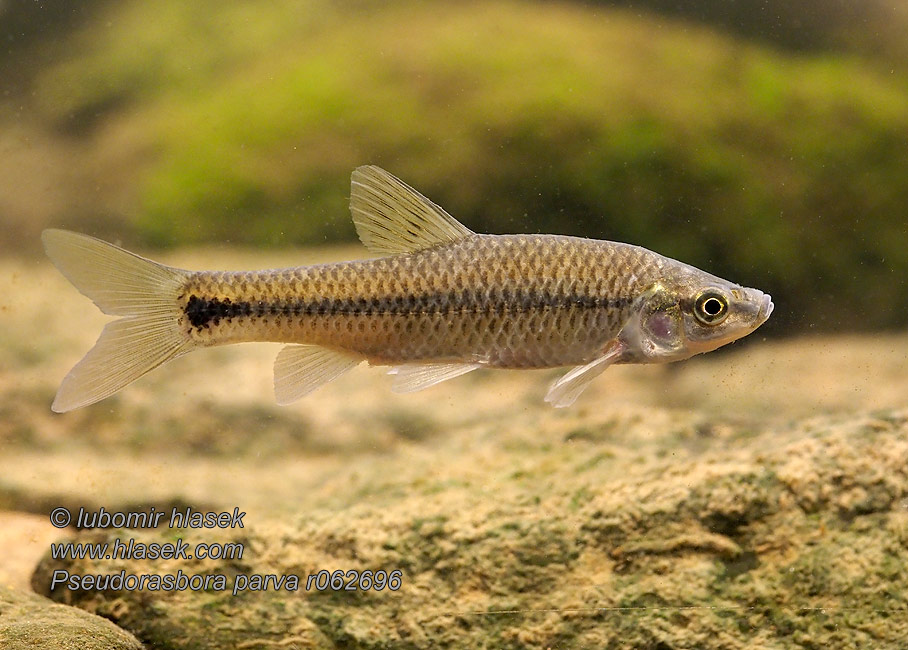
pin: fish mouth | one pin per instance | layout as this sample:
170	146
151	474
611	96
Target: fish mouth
765	308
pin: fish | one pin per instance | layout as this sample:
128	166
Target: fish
436	302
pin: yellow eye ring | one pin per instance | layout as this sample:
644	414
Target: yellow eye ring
711	308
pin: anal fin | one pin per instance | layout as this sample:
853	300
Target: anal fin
412	377
300	369
565	390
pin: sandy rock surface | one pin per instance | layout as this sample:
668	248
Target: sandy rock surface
804	536
34	622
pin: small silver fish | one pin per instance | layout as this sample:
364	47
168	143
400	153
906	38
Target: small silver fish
440	301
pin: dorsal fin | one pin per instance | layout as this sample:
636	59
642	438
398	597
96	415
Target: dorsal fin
391	217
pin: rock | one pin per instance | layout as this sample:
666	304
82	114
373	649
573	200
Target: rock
31	621
796	533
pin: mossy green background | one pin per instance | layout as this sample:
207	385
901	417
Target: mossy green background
772	162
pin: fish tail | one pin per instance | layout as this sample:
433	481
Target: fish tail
144	293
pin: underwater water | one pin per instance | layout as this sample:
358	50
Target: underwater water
755	495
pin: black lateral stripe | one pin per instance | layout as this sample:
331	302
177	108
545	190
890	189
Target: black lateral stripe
202	311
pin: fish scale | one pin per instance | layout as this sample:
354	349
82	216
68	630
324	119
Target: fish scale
511	301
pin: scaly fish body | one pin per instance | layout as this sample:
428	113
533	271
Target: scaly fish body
440	302
505	301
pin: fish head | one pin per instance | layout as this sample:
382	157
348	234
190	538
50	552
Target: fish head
691	313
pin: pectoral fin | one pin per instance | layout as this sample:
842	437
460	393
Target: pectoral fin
412	377
300	369
567	389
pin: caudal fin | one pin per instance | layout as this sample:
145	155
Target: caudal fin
143	292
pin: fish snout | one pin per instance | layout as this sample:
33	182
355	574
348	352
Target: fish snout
766	308
753	306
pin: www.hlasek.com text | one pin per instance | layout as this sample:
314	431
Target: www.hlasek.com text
324	580
130	549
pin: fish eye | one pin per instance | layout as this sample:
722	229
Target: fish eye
711	308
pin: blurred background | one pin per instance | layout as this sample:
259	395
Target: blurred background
763	140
